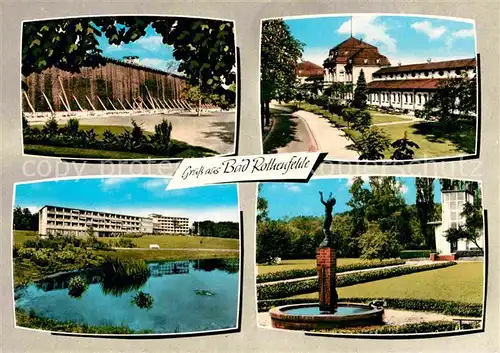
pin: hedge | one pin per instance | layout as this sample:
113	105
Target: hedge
413	254
288	289
298	273
421	327
469	253
446	307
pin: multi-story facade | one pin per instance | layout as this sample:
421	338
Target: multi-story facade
452	203
406	87
77	222
169	225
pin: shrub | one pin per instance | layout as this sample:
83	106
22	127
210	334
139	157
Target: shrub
26	253
413	254
375	244
50	128
41	257
124	243
73	126
65	256
297	273
420	327
77	286
288	289
469	253
143	300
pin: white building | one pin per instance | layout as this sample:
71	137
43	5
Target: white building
72	221
405	87
452	203
77	222
169	225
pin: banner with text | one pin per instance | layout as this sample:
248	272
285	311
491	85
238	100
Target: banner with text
295	167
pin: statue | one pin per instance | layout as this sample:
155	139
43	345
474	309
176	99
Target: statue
329	203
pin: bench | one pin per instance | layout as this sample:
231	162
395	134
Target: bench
154	246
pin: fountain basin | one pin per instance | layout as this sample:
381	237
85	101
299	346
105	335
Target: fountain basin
307	317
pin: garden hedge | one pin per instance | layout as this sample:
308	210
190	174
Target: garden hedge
421	327
446	307
414	254
469	253
298	273
288	289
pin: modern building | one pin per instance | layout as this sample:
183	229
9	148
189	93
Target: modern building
169	225
452	203
58	220
406	87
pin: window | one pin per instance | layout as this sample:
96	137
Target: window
441	73
458	72
413	74
419	99
411	98
406	98
400	75
425	98
426	74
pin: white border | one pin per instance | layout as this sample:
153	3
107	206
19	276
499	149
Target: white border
381	335
388	161
238	308
108	160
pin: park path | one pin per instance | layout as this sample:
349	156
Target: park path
391	317
181	249
408	263
212	130
303	138
328	138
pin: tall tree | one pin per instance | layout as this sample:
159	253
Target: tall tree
280	52
262	206
273	240
23	219
204	48
455	99
360	92
426	209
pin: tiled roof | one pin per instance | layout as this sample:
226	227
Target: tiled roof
438	65
423	84
356	52
308	69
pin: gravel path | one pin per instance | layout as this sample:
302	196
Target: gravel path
391	317
213	130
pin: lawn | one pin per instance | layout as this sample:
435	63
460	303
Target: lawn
378	118
164	255
20	236
429	147
299	264
99	129
462	282
179	241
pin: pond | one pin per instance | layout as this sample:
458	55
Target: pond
188	296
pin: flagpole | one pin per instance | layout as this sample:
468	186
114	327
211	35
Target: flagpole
351	26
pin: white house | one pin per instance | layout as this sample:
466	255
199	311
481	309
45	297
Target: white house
452	203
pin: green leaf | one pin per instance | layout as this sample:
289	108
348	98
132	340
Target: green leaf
226	48
222	26
35	42
79	28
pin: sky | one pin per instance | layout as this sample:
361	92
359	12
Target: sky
149	48
302	199
135	196
405	39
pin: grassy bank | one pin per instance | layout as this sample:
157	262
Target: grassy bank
462	283
300	265
176	241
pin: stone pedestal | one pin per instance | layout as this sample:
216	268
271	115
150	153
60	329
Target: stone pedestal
326	266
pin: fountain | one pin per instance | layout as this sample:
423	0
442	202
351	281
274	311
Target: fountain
328	313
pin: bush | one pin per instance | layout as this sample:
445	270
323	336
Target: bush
421	327
41	257
375	244
288	289
77	286
73	125
124	243
414	254
297	273
26	253
469	253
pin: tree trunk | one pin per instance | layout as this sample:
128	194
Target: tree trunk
199	107
262	115
267	113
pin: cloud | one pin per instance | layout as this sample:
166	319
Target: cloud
112	183
463	33
428	28
293	188
350	180
315	55
154	184
151	43
154	63
367	27
114	48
